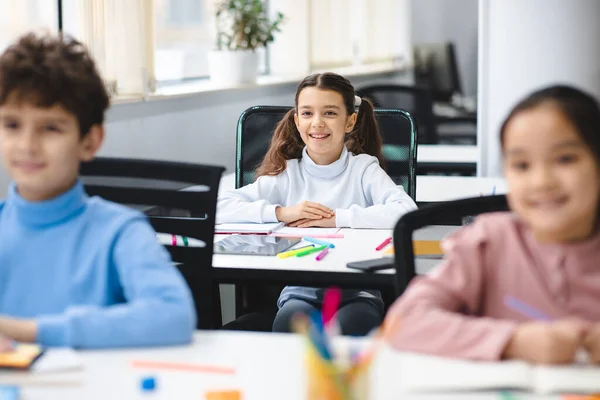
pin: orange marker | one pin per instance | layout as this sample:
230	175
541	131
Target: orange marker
211	369
224	395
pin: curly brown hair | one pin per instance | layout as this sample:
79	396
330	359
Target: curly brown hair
286	143
47	70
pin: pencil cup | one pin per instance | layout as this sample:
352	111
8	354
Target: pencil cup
333	381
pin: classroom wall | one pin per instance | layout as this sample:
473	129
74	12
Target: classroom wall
527	44
435	21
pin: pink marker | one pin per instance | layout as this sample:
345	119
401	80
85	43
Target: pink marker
322	254
383	244
331	303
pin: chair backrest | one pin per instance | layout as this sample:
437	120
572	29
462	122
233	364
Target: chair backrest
436	68
398	129
443	213
414	99
155	187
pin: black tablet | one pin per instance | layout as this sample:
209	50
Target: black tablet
255	245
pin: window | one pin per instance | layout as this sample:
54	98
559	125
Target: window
119	35
184	35
138	44
20	16
354	32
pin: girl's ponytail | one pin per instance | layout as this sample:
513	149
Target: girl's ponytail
365	137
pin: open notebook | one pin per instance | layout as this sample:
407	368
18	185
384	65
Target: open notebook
423	373
423	249
276	229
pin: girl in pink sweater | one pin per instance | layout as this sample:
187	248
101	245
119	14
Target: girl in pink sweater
546	253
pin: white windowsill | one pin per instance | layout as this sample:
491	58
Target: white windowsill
206	86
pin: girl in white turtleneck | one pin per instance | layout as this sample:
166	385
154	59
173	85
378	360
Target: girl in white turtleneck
322	170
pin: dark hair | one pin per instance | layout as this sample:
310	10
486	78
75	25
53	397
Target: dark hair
54	70
287	144
581	109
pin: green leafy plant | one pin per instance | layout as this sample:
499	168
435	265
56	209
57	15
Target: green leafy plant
245	25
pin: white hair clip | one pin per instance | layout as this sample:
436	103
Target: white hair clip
357	101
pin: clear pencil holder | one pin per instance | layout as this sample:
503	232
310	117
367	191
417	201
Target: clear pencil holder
335	380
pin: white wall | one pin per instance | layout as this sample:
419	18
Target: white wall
527	44
436	21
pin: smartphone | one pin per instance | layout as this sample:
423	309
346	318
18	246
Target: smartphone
375	264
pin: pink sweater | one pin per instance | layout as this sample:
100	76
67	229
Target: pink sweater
458	310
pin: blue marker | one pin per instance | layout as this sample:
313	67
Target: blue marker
525	309
319	242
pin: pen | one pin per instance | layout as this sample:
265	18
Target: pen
309	251
384	243
322	254
289	253
494	190
319	242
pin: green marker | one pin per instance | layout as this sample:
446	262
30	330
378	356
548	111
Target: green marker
309	251
507	396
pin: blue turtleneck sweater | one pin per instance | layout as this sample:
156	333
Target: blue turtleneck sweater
90	273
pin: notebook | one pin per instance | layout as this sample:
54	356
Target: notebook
423	249
56	366
276	229
254	229
21	357
424	373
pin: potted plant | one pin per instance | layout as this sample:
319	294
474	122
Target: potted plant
243	26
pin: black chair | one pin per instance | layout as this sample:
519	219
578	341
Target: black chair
398	129
414	99
155	188
443	213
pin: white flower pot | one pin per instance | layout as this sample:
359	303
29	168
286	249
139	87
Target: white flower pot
230	68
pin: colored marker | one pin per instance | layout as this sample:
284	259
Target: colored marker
322	254
174	366
289	253
494	190
331	303
525	309
319	242
384	243
310	251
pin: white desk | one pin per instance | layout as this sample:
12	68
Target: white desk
438	153
447	158
357	245
430	188
268	367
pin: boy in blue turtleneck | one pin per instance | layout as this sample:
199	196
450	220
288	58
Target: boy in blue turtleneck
74	271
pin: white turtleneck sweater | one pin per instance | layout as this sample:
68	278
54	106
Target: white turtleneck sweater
355	186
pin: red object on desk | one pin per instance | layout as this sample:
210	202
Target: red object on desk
384	243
